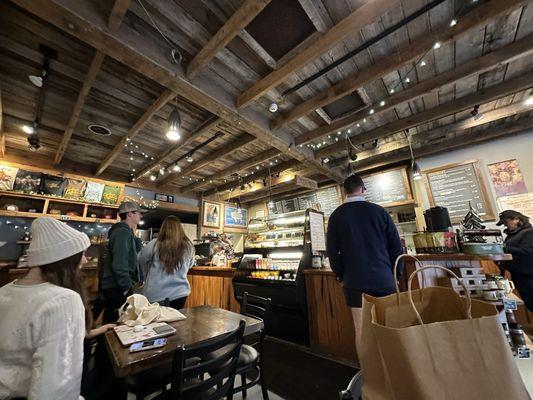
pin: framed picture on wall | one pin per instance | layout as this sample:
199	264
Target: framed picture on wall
211	214
235	217
507	178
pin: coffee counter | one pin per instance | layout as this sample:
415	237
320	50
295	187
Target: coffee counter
331	328
213	286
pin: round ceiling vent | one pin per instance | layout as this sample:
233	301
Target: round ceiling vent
99	130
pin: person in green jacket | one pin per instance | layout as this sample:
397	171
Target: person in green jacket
120	270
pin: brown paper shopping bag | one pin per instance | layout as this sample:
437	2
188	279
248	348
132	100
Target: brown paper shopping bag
432	344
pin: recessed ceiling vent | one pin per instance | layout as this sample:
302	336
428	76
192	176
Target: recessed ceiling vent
99	130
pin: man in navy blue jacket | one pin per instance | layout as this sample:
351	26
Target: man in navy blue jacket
362	245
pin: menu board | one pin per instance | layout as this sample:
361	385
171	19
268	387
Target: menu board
328	200
388	188
316	228
290	205
455	187
519	202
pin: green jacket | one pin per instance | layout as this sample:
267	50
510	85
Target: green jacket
120	263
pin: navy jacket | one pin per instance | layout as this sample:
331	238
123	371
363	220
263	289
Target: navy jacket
362	245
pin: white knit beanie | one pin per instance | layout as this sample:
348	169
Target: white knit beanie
53	240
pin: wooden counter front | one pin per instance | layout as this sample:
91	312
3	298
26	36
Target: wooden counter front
212	286
331	329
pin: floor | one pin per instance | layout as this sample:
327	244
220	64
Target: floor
293	373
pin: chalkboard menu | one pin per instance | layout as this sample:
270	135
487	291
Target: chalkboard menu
326	200
454	187
388	188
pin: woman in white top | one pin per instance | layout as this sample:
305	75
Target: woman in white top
165	262
44	317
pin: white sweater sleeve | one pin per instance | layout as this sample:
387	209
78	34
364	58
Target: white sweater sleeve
58	329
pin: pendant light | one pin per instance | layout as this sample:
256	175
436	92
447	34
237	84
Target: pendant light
415	168
174	125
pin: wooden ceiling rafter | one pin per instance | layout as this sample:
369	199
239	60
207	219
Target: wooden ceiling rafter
237	22
265	172
160	102
117	13
94	68
482	96
500	130
362	16
115	18
225	150
151	60
506	54
441	131
255	187
233	169
203	128
480	15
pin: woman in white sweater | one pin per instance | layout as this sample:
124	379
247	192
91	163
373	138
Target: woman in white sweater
44	317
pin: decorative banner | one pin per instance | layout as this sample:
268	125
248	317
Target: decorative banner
236	217
519	202
507	178
211	214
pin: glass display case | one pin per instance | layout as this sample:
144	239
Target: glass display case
283	230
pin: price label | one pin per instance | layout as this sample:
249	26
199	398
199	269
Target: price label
509	304
523	353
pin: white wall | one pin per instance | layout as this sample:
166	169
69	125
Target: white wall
519	147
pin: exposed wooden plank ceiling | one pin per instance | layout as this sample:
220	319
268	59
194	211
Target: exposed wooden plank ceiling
483	60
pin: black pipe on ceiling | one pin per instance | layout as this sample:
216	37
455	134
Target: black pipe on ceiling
364	46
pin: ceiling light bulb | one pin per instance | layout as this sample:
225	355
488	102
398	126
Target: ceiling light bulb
176	168
174	126
162	171
189	158
382	103
273	107
407	80
152	177
415	169
349	131
453	22
529	101
436	45
391	91
371	111
423	63
338	132
358	125
28	129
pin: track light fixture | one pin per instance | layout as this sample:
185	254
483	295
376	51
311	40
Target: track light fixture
34	142
189	158
273	107
415	170
475	113
352	155
49	54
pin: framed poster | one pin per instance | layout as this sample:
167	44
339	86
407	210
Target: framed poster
235	217
455	186
211	214
522	203
167	198
507	178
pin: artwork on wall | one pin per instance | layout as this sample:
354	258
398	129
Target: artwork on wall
235	217
211	214
166	198
507	178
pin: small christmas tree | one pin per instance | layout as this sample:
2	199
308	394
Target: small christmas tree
472	222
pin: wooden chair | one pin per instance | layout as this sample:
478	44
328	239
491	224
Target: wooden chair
184	379
251	356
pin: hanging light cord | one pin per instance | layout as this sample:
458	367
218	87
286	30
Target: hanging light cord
410	146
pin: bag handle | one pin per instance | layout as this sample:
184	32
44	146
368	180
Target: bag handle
410	293
395	272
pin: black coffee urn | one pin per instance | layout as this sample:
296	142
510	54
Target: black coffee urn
437	219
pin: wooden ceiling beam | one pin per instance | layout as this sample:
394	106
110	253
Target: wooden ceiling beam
482	96
434	134
494	132
204	127
2	134
279	168
223	151
361	17
141	53
479	16
506	54
117	13
94	68
163	99
233	26
283	179
250	162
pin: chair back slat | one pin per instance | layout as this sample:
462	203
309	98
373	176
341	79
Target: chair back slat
227	347
255	306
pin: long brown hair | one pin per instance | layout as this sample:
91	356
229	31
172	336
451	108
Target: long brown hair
173	246
67	273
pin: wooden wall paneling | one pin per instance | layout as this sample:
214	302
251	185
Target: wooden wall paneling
213	288
2	136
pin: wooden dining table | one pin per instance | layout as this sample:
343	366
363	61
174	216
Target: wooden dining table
201	324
